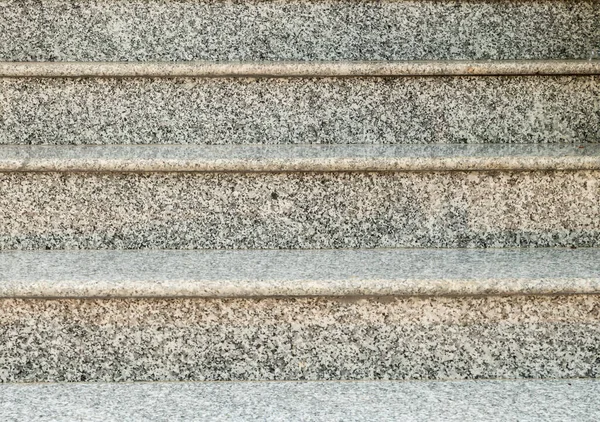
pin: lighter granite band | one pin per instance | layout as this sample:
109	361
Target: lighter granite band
267	273
297	158
509	400
300	69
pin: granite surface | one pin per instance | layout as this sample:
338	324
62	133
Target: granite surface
299	68
106	30
299	210
555	400
299	338
256	273
297	158
505	109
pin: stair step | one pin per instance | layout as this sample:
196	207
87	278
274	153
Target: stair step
254	273
358	110
507	400
298	315
60	30
298	158
299	338
299	197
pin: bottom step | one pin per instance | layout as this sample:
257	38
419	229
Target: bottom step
393	338
299	315
565	400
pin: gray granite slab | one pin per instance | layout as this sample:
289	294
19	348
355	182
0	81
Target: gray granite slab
417	110
379	272
298	158
299	210
299	68
299	338
103	30
548	400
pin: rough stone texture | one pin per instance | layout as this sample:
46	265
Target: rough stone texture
300	111
299	68
297	158
299	339
297	30
562	400
252	273
299	210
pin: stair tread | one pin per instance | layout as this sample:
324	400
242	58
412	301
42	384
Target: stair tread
250	158
259	273
523	400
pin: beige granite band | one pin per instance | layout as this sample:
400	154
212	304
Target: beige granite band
297	158
299	68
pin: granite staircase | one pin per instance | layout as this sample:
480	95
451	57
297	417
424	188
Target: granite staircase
291	190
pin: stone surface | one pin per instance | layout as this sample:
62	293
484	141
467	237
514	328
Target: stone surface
300	111
300	68
104	30
210	273
564	400
299	210
298	158
299	338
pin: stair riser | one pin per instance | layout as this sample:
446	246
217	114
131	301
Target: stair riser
299	210
298	30
505	109
293	339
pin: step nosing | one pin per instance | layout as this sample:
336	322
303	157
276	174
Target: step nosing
298	273
352	400
298	158
307	69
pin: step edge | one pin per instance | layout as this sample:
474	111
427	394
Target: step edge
349	274
299	69
353	400
308	289
298	158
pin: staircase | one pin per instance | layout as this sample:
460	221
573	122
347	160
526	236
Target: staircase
294	190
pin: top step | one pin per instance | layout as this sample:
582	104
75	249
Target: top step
162	30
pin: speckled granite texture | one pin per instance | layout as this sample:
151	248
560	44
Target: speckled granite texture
295	339
299	210
297	30
260	69
298	158
510	400
508	109
278	273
